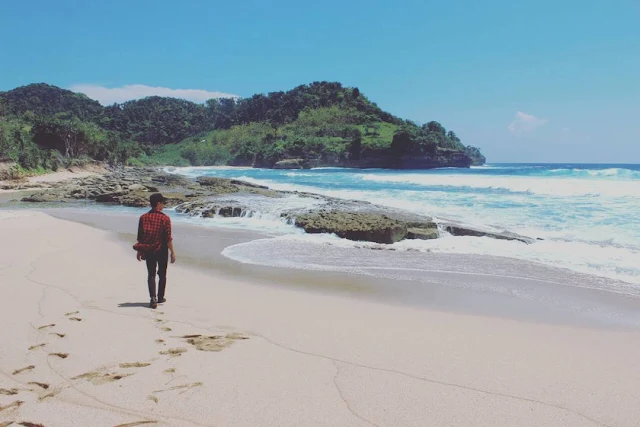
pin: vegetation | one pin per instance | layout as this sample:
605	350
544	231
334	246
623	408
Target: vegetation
43	127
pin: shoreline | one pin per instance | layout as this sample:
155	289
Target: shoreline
203	247
289	358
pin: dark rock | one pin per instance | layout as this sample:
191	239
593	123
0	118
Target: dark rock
136	199
44	197
171	180
248	184
457	230
354	226
422	233
109	197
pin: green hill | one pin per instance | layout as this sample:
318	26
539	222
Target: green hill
320	124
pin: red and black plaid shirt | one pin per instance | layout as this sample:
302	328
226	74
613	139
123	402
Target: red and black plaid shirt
154	228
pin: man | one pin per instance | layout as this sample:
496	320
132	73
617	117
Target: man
154	243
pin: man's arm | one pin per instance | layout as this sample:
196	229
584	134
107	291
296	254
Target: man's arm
170	241
173	254
139	254
140	229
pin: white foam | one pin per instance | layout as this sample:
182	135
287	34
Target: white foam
589	219
530	185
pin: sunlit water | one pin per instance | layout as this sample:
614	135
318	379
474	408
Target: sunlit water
587	215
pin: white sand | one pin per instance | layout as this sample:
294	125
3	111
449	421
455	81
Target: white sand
309	360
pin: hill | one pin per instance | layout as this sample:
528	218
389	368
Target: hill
320	124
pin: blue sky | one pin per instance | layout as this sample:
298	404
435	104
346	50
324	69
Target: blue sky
528	81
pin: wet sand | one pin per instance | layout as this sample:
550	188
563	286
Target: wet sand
538	298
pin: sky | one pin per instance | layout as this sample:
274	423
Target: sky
526	81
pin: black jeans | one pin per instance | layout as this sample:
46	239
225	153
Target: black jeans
157	262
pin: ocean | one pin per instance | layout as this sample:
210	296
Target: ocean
587	215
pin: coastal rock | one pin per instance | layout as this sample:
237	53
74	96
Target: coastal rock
135	199
137	187
212	196
44	197
109	197
171	180
210	210
457	230
225	186
292	164
422	233
354	226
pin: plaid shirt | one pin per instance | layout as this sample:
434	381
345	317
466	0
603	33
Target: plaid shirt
155	228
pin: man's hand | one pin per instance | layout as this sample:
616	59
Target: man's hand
139	256
173	257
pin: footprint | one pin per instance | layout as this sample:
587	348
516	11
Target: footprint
237	336
77	319
47	326
170	371
165	329
59	335
180	387
19	371
152	397
213	343
48	395
72	313
135	365
12	405
33	347
41	385
159	341
9	392
98	378
137	423
174	352
60	355
29	424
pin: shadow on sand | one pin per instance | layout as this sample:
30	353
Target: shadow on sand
133	304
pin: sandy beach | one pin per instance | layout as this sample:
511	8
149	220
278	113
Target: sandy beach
78	346
44	181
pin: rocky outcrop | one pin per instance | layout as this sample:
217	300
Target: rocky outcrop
292	164
210	209
209	197
458	230
423	233
354	226
229	186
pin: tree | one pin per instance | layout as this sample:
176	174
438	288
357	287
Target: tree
401	143
355	147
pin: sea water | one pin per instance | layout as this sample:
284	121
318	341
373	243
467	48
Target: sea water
586	215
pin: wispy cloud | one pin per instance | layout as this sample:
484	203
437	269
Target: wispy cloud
108	96
525	123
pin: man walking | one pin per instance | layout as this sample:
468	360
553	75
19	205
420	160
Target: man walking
154	243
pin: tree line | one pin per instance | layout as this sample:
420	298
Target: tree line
43	126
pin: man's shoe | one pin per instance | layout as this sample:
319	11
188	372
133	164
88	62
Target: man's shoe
161	300
153	303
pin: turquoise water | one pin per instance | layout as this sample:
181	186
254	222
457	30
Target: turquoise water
587	214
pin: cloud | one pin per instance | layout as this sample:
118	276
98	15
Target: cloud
525	123
107	96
